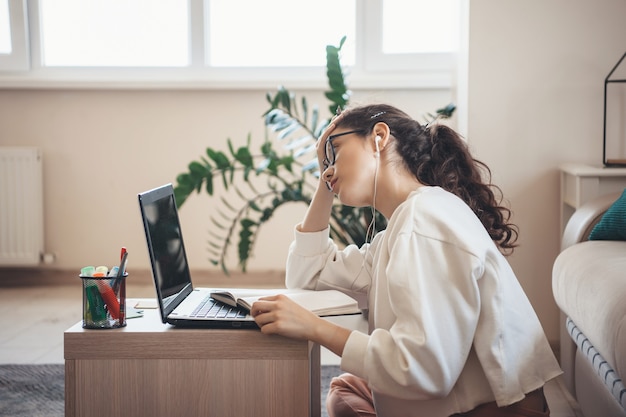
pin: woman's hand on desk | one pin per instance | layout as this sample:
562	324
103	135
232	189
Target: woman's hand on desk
280	315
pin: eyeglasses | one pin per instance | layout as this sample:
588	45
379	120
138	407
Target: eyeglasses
329	149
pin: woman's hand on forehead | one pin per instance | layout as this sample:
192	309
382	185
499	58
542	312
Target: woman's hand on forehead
333	124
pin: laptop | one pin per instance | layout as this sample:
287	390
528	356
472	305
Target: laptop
180	303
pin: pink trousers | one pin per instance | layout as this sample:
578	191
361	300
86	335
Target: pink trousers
349	396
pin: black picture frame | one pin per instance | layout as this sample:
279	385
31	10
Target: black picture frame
607	160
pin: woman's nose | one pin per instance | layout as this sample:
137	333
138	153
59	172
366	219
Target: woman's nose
328	173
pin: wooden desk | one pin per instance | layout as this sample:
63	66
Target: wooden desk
151	369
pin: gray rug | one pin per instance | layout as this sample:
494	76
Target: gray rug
327	373
38	390
32	390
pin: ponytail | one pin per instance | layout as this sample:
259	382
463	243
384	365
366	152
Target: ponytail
450	166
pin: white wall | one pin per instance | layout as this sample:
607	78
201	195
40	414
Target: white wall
535	100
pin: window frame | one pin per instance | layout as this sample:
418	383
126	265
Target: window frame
372	68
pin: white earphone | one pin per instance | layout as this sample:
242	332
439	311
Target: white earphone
376	140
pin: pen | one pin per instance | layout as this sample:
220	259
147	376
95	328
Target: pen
122	268
122	288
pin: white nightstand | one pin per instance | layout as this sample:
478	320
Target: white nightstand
580	183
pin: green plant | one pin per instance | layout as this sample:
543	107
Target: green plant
264	182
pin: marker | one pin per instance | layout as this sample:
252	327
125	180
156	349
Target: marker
109	299
87	271
102	269
96	306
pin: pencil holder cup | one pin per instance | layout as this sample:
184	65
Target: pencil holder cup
104	302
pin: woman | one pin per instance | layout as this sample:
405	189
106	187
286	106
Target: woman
451	330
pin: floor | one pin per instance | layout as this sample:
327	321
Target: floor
37	306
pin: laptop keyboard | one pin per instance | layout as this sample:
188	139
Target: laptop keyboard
210	308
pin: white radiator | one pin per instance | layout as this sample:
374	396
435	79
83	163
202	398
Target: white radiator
21	206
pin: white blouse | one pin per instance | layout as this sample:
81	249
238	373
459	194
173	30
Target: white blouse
450	325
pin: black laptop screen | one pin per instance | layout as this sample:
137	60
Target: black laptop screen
165	244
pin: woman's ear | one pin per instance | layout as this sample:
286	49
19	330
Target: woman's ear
381	131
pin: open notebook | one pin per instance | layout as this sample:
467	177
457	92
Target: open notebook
322	303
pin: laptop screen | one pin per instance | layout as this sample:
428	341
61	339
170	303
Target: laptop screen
165	246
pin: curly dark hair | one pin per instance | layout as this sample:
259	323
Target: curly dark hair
438	156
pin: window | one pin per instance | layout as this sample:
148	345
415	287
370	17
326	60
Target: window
13	35
286	37
114	33
409	27
420	36
5	28
231	42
